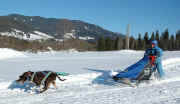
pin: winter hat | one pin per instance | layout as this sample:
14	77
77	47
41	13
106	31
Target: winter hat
154	42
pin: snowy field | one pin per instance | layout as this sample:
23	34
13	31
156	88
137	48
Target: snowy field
89	80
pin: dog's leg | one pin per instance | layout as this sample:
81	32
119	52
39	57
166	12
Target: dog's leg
54	84
46	86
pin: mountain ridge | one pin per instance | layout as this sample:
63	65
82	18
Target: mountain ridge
57	28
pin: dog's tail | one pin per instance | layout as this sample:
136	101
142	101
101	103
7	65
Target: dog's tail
60	78
61	74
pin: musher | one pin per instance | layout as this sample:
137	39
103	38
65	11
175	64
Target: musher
156	53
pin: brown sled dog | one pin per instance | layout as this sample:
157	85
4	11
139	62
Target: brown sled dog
38	77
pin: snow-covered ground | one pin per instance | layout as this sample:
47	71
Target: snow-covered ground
89	81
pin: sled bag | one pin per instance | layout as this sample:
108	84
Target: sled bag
133	71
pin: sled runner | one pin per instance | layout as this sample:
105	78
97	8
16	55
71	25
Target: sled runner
142	70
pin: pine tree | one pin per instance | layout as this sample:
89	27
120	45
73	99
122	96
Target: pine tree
139	42
165	40
101	44
143	45
132	43
124	43
146	40
118	45
112	44
157	36
161	42
172	43
152	36
177	41
108	44
136	45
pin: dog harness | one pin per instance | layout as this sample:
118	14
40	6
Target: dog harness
32	77
44	79
62	73
46	76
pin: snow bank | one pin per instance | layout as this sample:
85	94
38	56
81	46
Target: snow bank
129	52
52	52
6	53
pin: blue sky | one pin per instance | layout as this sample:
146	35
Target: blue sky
142	15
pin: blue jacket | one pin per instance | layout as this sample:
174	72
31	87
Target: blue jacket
156	51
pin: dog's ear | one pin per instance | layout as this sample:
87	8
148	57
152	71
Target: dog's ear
20	76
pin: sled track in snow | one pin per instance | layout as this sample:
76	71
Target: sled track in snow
80	86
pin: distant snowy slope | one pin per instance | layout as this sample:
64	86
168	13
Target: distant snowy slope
86	38
35	35
43	35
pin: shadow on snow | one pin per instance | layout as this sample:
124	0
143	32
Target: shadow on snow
26	87
105	78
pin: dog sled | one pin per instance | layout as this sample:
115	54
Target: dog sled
140	71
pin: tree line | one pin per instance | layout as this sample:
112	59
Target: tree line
166	41
44	45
